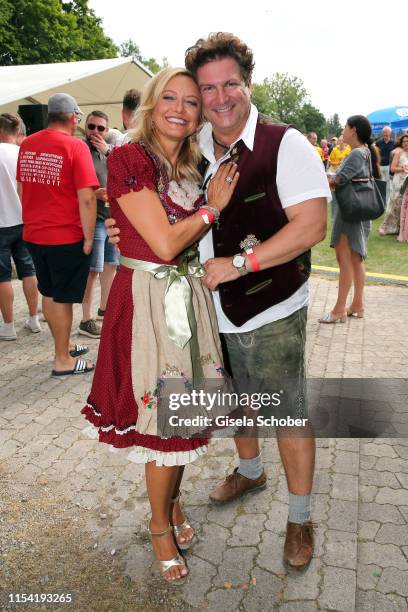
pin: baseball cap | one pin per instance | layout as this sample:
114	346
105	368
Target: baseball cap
63	103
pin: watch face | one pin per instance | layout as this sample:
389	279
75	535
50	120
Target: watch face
238	261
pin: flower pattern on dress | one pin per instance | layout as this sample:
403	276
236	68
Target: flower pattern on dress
150	399
208	359
131	181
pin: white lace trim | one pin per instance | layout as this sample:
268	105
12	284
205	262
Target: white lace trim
119	432
141	454
183	194
144	455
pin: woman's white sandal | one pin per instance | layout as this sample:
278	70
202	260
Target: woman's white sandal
177	561
329	317
178	530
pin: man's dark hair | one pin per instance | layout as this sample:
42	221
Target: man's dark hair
220	45
10	124
98	113
59	117
131	100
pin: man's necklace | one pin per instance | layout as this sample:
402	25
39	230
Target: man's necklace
223	146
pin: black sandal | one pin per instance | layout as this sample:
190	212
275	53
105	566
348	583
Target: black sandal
81	367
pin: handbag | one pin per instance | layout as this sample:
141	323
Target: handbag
362	198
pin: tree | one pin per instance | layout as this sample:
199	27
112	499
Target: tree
334	126
49	31
282	97
130	49
285	98
152	65
314	120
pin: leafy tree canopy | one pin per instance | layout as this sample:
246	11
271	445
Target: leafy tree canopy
130	48
282	97
334	126
314	120
49	31
285	98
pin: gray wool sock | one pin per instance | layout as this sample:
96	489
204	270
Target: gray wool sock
299	508
251	468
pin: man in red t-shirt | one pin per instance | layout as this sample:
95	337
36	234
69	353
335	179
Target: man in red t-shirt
56	182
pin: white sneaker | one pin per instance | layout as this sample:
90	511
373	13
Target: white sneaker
7	333
33	325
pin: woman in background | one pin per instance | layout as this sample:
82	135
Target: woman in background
399	167
349	238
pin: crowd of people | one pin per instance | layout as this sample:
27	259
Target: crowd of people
392	157
253	196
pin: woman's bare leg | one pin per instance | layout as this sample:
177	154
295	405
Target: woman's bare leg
359	277
177	516
343	255
160	482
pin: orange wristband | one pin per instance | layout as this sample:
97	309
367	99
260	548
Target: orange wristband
254	261
207	215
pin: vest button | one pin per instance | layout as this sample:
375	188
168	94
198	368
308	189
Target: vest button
220	244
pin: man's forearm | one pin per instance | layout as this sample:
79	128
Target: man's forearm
292	240
87	213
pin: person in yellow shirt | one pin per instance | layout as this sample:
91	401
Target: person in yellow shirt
312	138
338	153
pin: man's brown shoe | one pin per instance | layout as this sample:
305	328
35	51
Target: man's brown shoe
235	485
299	545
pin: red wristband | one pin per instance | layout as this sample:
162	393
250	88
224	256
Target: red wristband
254	261
207	215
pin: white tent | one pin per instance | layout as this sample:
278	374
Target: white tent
95	84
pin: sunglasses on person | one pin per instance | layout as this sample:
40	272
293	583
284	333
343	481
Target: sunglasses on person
92	126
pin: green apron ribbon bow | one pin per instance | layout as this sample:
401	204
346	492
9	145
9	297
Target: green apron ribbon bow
180	319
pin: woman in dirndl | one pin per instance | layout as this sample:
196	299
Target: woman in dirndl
160	322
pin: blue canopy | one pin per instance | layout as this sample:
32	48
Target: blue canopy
396	117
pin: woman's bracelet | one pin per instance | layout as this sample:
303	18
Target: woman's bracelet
206	215
253	260
211	209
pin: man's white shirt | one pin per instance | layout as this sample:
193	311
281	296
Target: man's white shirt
10	205
300	176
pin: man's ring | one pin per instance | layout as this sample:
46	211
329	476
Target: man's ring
228	179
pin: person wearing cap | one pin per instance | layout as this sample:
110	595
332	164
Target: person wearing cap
333	143
56	182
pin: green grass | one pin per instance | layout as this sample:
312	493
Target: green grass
385	254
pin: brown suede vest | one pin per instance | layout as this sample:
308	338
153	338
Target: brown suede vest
255	210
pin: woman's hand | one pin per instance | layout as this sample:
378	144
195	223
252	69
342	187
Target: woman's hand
222	186
113	232
332	183
101	194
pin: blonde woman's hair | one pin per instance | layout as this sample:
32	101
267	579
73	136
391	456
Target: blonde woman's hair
189	157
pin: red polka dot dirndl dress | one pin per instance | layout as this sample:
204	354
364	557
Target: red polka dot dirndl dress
135	351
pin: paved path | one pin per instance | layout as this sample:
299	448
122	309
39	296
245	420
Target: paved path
360	491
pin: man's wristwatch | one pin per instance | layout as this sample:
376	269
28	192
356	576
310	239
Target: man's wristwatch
238	261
